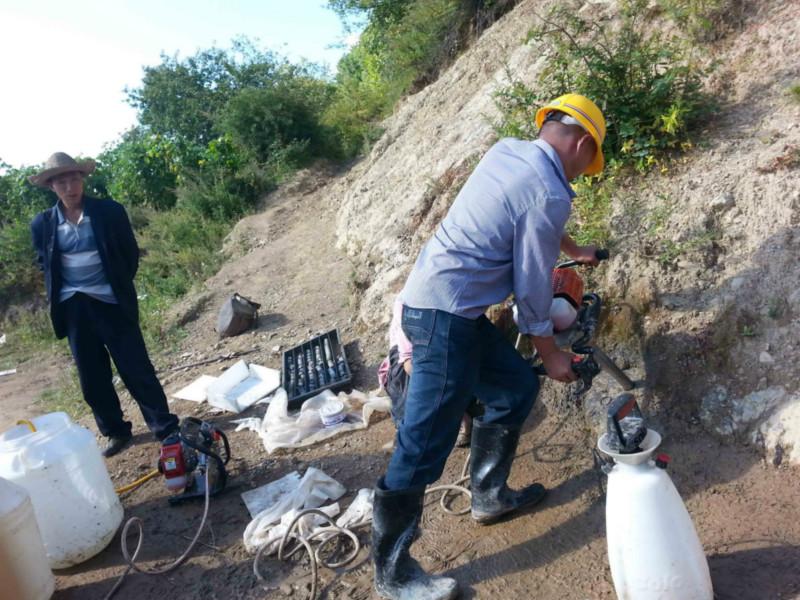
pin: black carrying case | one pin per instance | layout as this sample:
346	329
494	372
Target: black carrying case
316	365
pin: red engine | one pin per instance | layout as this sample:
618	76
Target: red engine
568	284
172	465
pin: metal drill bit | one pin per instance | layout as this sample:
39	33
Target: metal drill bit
320	366
301	380
312	376
329	358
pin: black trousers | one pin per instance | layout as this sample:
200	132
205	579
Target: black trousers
96	329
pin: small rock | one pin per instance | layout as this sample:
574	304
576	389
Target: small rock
765	358
778	458
287	589
276	349
722	202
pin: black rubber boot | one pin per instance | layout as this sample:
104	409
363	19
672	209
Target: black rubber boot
492	452
395	516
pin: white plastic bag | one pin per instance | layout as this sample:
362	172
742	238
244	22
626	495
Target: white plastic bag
279	429
279	497
305	526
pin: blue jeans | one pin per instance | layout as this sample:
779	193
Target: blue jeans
453	360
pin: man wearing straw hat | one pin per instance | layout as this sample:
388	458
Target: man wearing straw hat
89	256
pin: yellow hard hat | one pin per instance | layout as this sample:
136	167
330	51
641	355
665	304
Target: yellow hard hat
588	115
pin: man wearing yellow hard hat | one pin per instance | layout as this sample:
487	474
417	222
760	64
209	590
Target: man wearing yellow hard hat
502	235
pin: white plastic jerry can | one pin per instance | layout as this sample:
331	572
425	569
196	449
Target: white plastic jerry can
653	549
61	468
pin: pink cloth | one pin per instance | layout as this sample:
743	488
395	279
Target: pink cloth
396	338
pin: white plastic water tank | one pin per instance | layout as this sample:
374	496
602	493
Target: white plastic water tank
653	549
73	498
24	571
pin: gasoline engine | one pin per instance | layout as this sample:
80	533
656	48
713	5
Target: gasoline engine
188	454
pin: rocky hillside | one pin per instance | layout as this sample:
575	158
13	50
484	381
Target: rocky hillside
702	290
704	285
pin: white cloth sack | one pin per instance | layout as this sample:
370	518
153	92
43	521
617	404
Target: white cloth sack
278	498
279	429
242	385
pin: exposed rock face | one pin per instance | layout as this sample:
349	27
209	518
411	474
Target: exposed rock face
769	417
704	279
430	145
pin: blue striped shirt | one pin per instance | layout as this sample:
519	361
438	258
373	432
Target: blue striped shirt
81	268
502	235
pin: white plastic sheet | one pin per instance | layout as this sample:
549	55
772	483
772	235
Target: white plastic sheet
278	498
279	429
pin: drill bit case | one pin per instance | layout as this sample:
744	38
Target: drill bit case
316	365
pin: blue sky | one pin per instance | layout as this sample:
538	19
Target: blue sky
65	64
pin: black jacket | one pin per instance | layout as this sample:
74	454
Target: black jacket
116	246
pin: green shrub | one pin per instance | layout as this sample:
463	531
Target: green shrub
181	249
263	119
423	41
228	181
182	98
647	83
360	101
143	169
590	214
19	273
18	198
19	203
403	47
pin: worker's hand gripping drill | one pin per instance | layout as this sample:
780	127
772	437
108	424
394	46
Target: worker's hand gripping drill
564	366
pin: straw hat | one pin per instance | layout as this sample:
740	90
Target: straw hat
59	163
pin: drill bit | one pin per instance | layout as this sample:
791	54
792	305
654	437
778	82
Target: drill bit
312	377
329	358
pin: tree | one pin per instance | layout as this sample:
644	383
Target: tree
182	99
262	119
379	13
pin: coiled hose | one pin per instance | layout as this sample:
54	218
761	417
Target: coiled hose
333	531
